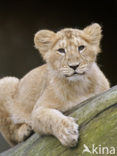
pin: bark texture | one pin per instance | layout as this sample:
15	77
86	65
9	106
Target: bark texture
97	118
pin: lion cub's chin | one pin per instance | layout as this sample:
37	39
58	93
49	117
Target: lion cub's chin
75	77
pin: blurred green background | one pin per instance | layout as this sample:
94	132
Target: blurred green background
19	21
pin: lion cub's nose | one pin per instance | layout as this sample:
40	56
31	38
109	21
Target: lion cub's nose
74	67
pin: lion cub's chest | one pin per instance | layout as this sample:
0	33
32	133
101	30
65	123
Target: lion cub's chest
75	95
70	104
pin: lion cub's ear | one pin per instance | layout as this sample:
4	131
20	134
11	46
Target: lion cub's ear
43	40
94	32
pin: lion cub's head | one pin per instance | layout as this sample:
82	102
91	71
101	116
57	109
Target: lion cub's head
69	52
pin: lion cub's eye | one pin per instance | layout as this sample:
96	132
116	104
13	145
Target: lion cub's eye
81	48
61	50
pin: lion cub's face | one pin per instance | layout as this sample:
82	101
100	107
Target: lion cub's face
69	52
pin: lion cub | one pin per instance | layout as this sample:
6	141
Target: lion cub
38	100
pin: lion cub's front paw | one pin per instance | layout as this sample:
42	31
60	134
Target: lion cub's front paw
68	132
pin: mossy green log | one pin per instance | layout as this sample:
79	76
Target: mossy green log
97	118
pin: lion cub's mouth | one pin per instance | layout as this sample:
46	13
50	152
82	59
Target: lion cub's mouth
75	74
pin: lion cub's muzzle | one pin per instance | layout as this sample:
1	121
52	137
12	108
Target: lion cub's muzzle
74	67
75	74
74	71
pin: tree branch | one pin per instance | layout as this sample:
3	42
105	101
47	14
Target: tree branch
97	118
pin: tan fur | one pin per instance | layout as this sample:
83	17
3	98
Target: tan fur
39	98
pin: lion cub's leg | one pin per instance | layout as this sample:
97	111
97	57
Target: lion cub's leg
51	121
14	133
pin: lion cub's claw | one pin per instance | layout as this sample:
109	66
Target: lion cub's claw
68	132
